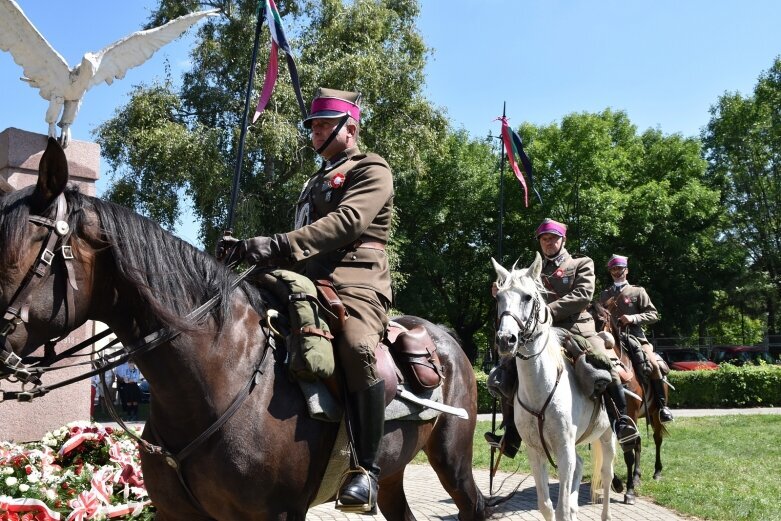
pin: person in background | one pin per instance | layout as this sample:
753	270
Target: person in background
631	308
130	377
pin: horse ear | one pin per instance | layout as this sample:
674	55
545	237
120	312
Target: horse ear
52	175
536	268
501	273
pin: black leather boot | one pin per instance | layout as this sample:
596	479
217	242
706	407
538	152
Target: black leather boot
510	442
665	414
359	491
624	427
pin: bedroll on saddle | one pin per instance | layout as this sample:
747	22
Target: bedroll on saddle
310	352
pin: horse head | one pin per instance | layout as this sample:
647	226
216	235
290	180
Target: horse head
521	310
45	273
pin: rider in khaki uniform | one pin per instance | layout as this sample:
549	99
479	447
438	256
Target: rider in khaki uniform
632	308
343	220
570	287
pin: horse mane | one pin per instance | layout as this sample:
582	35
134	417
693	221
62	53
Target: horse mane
169	276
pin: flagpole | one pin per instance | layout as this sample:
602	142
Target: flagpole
243	134
500	245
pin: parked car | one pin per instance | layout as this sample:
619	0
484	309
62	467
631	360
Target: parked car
687	360
741	355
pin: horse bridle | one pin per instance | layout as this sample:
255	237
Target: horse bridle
528	328
17	312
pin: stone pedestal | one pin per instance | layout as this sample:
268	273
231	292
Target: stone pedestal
20	153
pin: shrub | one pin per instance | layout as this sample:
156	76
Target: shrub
729	386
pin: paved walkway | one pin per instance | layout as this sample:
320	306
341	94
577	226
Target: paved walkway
428	500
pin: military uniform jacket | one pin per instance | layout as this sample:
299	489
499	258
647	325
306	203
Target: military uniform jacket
570	287
346	203
632	301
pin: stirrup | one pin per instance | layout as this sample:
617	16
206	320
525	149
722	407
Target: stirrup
370	507
629	437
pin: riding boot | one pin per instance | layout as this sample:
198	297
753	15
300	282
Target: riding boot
359	492
665	414
624	427
510	442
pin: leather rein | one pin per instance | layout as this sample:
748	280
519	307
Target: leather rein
13	369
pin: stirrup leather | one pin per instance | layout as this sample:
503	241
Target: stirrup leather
363	508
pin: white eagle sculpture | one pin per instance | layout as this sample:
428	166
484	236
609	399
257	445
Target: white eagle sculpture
64	87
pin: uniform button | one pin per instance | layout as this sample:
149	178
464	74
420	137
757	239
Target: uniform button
306	253
354	257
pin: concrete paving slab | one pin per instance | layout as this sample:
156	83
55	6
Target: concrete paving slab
429	501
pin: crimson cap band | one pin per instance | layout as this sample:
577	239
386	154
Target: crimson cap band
332	103
617	261
551	226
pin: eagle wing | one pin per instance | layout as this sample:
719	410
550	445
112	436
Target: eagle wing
44	68
135	49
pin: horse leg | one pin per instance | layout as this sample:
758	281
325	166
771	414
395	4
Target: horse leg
658	464
392	499
449	452
608	449
638	456
567	461
539	468
574	489
629	494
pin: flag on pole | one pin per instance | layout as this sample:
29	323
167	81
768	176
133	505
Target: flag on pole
513	145
278	41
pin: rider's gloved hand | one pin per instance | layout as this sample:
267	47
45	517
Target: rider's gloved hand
274	251
230	249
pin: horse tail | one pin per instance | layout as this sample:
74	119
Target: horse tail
596	472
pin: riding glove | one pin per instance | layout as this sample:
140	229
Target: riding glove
267	251
261	250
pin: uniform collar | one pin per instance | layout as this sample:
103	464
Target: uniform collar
340	158
561	257
618	287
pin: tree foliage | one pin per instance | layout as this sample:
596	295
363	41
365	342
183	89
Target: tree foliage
743	144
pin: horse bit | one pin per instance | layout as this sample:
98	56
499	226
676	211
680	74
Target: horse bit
17	311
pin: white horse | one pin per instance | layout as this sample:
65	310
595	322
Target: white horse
551	412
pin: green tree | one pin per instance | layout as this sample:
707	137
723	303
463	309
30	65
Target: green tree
168	141
642	195
447	227
743	148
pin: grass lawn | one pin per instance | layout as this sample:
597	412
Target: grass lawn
724	468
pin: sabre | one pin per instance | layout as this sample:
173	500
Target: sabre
431	404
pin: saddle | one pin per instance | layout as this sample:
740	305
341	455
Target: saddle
404	356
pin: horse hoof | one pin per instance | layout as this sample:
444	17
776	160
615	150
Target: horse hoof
629	499
657	476
616	485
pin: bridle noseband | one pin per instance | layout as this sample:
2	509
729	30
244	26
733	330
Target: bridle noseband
17	311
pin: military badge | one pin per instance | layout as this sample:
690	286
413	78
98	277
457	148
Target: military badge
627	300
336	181
559	273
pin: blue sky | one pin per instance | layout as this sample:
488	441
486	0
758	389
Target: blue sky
664	62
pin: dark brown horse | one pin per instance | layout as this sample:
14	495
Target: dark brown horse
267	461
636	408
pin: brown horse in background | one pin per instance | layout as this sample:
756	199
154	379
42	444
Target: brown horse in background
267	461
636	408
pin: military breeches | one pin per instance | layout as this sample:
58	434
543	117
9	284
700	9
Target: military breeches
362	332
656	373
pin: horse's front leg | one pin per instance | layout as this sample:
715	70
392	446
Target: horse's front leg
575	486
567	461
658	463
539	465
